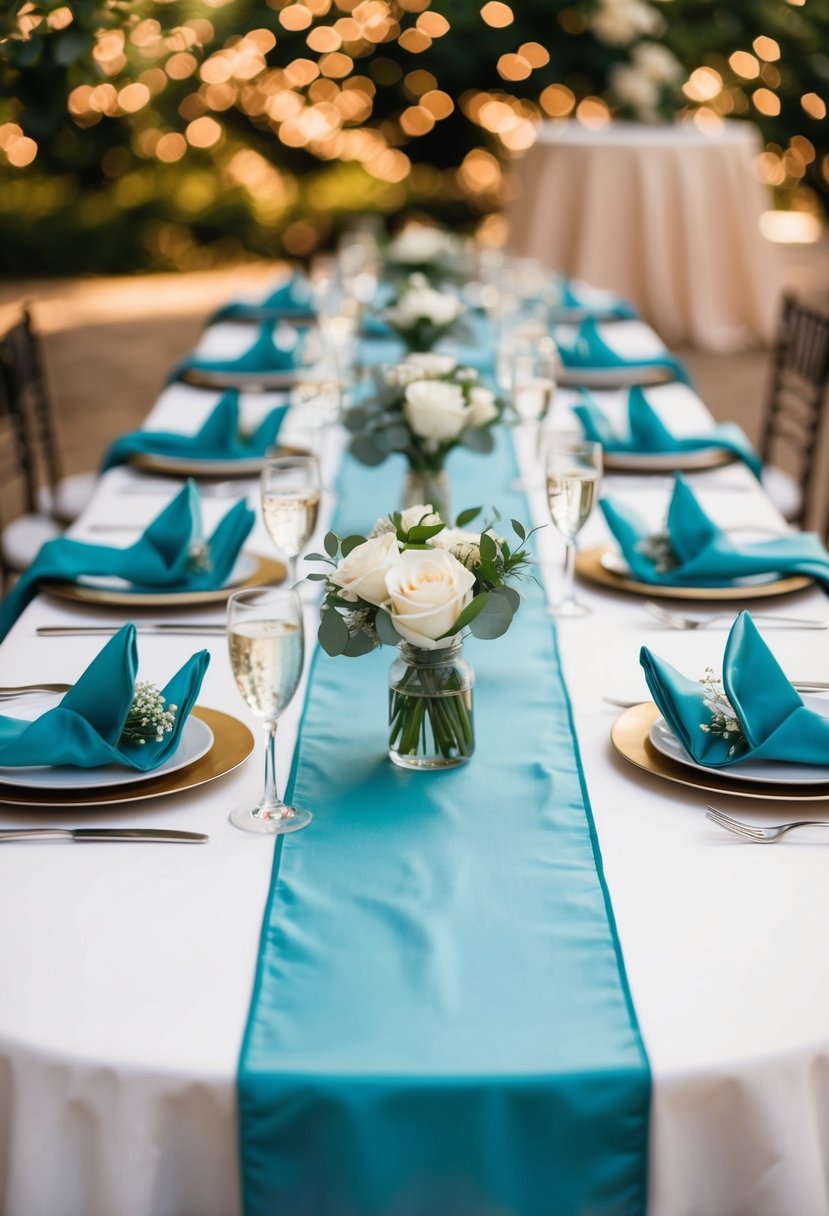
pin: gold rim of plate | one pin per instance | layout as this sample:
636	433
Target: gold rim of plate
233	742
246	381
180	466
589	566
612	377
669	462
267	571
630	736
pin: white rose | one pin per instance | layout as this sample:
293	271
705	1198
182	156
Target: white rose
657	62
419	244
427	364
420	513
463	545
482	407
435	410
633	88
423	303
362	574
428	589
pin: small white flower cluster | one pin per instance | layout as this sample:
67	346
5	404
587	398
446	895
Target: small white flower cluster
148	721
658	549
199	556
421	244
724	721
620	22
420	366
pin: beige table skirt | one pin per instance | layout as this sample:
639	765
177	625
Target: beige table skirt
666	216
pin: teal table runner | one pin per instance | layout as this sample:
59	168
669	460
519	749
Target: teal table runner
441	1024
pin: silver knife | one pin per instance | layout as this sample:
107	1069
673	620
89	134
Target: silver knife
93	835
177	630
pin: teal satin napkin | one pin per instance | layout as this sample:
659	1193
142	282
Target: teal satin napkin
569	298
705	555
291	299
85	729
266	353
647	433
171	555
589	350
217	439
775	722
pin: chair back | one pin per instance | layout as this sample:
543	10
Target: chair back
29	399
800	373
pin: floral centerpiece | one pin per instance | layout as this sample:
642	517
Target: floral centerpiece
433	252
421	315
423	408
419	584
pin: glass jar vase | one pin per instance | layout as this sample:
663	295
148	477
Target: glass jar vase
424	486
430	708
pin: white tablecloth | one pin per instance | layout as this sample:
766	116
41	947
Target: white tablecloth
666	216
127	970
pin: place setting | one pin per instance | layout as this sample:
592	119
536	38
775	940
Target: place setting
751	733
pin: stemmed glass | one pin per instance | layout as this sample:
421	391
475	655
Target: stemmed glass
574	473
290	504
265	637
531	374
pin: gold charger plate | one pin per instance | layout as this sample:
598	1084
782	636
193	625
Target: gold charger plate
181	466
589	566
614	377
250	382
630	737
667	462
232	744
266	571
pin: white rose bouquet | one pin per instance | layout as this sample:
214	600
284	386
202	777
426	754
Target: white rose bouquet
423	407
416	580
422	315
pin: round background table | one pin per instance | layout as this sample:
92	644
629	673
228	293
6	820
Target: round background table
666	216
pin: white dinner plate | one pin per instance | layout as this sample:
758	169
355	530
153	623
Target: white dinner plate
186	466
613	561
196	741
763	772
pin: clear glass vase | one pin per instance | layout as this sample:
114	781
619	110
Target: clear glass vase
430	708
431	488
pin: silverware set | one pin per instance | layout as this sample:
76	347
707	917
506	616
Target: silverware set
755	833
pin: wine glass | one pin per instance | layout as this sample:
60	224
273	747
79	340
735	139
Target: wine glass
266	641
290	504
574	472
531	368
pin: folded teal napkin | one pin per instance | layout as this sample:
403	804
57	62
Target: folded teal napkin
267	353
588	350
85	729
569	298
704	555
171	555
217	439
292	298
647	434
774	722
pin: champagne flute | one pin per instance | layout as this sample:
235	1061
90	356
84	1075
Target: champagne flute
574	472
290	504
532	372
265	638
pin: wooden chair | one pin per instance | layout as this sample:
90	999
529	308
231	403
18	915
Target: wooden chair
794	413
60	497
22	529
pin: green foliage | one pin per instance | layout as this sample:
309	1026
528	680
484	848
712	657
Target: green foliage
125	181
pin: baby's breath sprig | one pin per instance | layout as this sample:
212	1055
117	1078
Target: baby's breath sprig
724	721
199	557
658	549
148	721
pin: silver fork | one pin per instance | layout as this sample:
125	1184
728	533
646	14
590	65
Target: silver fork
758	835
677	621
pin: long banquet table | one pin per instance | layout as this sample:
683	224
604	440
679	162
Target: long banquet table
128	971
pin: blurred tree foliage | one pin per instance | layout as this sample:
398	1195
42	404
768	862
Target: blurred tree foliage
177	133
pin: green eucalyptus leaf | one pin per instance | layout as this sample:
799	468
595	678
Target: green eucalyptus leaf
316	578
333	632
366	449
513	597
519	529
331	543
467	516
317	557
359	643
351	542
477	440
472	609
423	532
495	618
386	631
489	550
